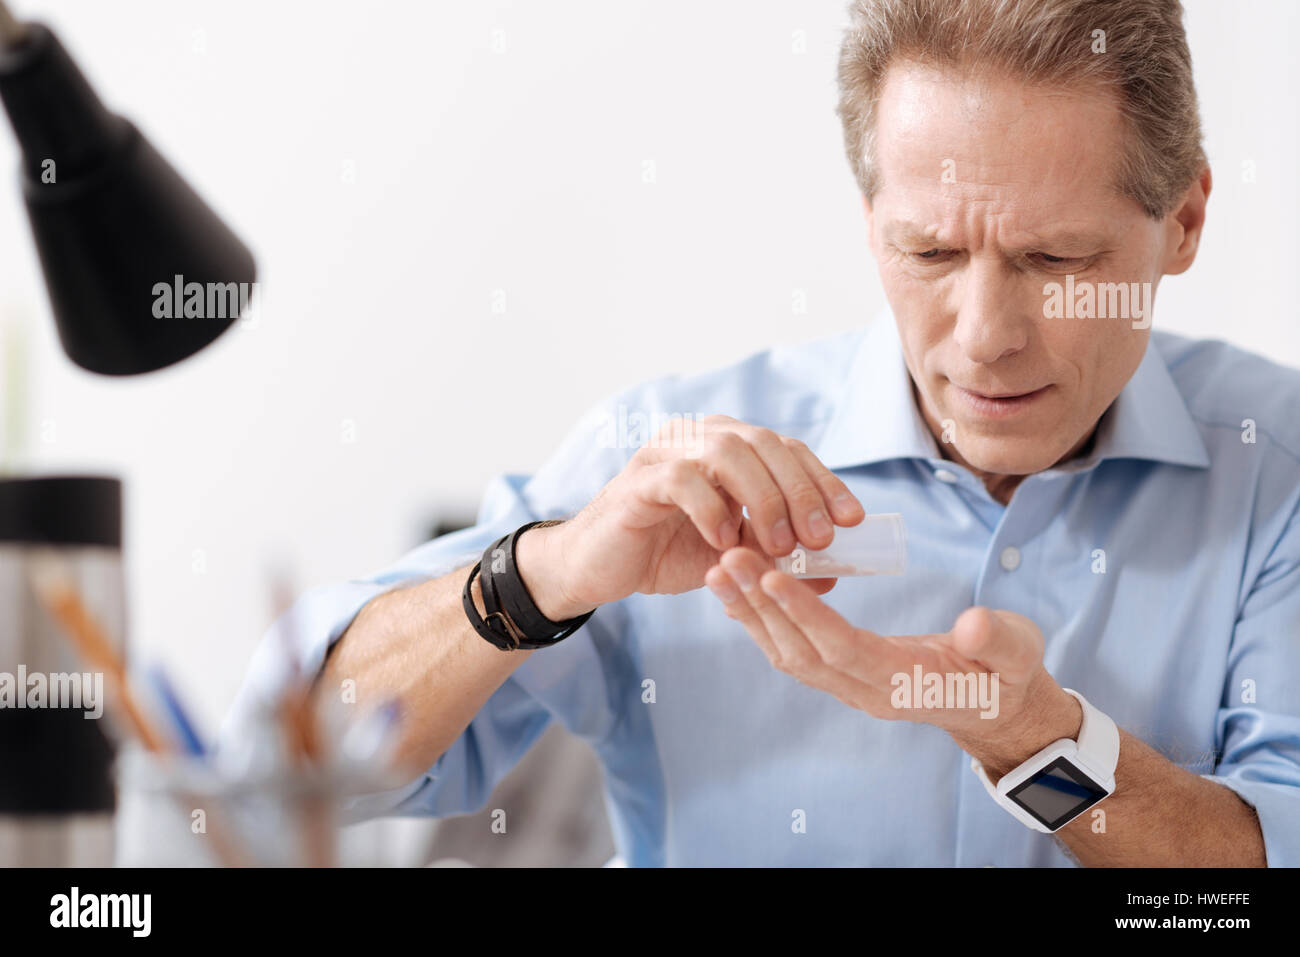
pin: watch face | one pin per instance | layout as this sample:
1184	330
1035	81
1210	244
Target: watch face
1057	793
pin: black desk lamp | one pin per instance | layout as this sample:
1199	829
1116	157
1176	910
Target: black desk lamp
113	222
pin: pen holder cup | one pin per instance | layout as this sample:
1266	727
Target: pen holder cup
181	811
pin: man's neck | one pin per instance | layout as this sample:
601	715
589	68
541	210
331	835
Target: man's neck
1000	486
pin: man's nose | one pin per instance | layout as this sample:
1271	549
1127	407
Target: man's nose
991	322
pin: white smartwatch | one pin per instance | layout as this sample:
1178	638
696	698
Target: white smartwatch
1064	779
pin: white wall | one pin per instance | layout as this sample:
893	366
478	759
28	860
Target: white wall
522	170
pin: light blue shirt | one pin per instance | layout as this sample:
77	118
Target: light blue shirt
1188	635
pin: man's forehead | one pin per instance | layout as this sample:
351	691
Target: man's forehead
987	137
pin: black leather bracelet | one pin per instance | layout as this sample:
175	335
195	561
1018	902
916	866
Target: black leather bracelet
513	620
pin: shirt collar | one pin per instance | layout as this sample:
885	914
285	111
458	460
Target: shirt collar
876	419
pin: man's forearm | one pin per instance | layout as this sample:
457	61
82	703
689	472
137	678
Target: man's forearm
1162	815
416	645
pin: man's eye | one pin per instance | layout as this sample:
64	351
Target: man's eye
930	255
1047	259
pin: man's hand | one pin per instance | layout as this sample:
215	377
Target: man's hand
1002	650
661	523
1145	823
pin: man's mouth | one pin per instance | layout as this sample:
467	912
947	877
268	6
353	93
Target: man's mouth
1000	404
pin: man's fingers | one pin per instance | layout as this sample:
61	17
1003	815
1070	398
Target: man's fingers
728	462
735	464
866	656
790	496
734	604
808	510
844	505
820	586
794	653
677	482
785	644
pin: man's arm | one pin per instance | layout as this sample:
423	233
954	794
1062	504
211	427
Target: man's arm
1248	812
416	646
655	528
1148	821
1159	814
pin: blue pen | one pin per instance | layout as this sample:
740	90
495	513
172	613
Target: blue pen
184	727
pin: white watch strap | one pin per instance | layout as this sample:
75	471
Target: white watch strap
1097	753
1098	742
1021	815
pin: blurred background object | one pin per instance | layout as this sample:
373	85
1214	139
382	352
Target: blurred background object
113	224
554	801
56	787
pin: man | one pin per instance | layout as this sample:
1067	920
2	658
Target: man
1089	506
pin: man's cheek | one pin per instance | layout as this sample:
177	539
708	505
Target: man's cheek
920	301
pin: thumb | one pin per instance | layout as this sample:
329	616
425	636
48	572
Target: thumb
1001	641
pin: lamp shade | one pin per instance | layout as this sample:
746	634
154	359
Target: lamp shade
141	272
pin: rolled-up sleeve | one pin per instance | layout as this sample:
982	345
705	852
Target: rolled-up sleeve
511	720
1258	730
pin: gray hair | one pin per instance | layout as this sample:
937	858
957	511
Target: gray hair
1145	60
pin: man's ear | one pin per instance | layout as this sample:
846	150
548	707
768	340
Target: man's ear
1184	225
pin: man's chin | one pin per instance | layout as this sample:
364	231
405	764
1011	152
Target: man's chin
1008	456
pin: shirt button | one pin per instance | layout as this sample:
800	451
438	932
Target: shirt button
1010	558
943	475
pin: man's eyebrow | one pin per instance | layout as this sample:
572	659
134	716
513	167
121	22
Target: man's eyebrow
901	231
1069	240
